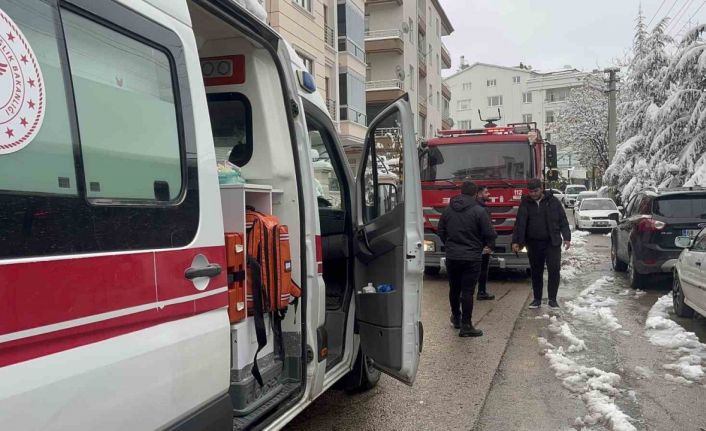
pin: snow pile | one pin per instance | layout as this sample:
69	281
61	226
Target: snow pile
644	372
688	352
597	389
593	307
564	331
575	260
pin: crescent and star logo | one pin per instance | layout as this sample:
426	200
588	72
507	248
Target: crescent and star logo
22	96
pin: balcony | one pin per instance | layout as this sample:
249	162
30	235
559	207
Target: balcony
423	107
445	91
377	41
330	37
331	106
383	91
445	58
422	63
374	2
446	122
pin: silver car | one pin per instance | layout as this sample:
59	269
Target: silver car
689	290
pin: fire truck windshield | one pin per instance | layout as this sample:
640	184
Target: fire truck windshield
477	161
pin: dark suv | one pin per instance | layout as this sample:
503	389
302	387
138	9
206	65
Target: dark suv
643	241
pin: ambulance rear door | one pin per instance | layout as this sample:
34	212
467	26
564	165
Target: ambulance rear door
388	245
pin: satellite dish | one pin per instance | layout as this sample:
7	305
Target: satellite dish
405	27
400	73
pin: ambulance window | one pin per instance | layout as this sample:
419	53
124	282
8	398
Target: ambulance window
327	183
231	125
46	163
126	113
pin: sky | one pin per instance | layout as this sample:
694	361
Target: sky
551	34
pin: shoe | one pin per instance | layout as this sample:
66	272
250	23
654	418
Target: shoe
456	322
553	304
536	303
469	331
485	296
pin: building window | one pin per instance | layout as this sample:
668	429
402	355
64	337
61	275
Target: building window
438	100
495	101
306	4
466	86
464	104
515	79
438	64
549	137
491	82
550	117
411	77
438	29
526	118
557	95
527	97
431	93
308	62
411	31
464	124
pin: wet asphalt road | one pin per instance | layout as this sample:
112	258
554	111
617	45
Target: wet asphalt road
503	382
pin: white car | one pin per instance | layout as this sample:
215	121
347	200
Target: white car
557	194
596	213
571	193
689	289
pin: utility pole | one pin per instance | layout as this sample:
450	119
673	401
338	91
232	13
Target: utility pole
612	110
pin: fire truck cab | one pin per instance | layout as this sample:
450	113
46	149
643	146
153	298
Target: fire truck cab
502	158
116	285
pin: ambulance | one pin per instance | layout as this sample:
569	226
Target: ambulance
120	305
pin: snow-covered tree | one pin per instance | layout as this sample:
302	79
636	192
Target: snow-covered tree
582	125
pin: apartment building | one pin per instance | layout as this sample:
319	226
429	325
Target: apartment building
405	53
520	94
329	36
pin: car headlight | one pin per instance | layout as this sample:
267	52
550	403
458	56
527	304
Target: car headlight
429	245
524	250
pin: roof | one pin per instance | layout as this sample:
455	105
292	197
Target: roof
516	69
444	18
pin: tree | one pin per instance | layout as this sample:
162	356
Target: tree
582	125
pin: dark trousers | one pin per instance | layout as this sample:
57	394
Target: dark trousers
483	278
463	276
540	253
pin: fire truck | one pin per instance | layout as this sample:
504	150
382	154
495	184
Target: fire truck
502	158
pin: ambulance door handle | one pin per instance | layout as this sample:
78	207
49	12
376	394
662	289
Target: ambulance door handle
210	271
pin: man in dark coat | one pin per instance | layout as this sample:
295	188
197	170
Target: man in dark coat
483	197
466	230
541	223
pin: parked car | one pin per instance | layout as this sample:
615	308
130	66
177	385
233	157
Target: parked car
581	196
643	243
689	288
596	213
571	192
557	194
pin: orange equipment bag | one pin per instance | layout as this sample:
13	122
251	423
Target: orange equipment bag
235	262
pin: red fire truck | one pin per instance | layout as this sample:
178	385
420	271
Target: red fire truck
502	158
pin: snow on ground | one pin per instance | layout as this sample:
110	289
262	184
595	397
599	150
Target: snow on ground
574	260
593	305
688	353
597	388
564	331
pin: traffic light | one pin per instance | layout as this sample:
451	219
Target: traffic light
551	156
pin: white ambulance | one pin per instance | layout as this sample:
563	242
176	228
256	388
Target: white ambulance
115	289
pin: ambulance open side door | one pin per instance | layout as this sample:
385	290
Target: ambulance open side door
388	246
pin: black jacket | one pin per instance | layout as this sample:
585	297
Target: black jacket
557	224
465	228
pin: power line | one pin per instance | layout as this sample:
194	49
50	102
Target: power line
692	17
678	15
658	9
670	8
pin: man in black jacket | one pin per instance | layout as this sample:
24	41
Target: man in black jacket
483	197
466	230
541	223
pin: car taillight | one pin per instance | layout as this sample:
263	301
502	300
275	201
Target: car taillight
650	225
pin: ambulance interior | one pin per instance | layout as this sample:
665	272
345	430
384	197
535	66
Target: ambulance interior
250	129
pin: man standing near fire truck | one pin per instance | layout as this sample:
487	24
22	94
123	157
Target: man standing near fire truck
466	230
541	223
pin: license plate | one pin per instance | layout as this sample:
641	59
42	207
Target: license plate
690	232
600	223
